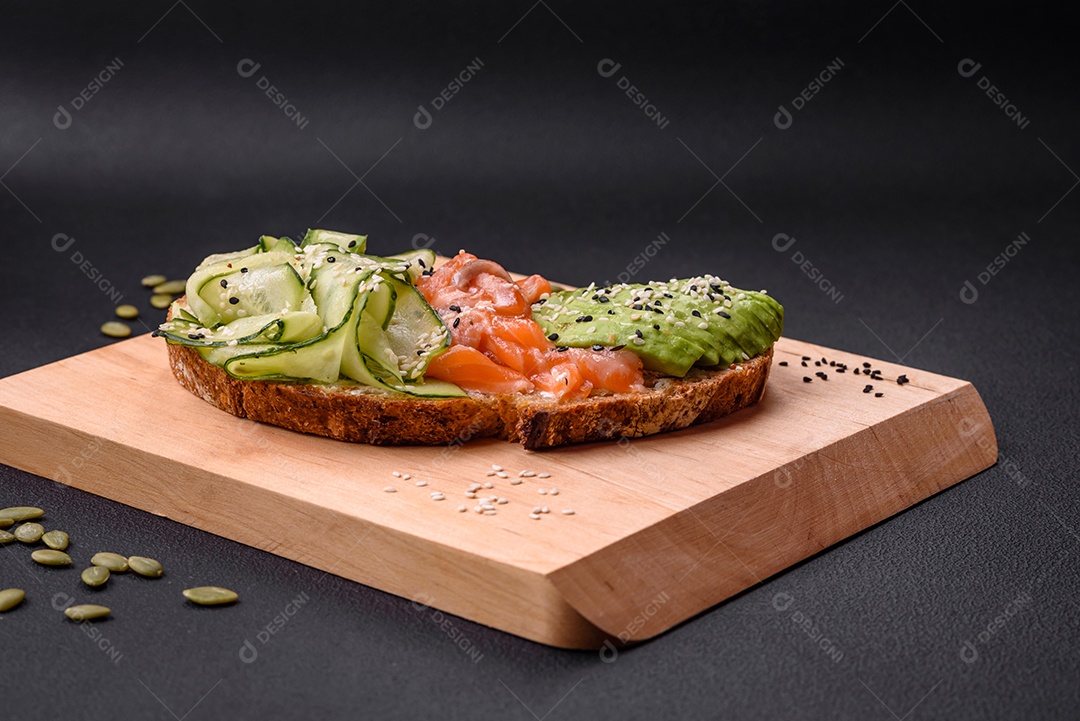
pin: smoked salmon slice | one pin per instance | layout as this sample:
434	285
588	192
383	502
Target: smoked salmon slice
496	345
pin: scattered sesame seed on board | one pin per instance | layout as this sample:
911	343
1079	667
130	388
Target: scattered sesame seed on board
515	481
567	511
544	475
553	492
421	484
462	509
390	489
534	516
395	474
496	467
502	474
542	491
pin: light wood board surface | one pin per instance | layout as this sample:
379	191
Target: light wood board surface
663	527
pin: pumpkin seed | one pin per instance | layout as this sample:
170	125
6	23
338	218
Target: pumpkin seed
86	612
112	561
50	557
5	522
210	595
115	329
145	566
161	301
95	575
21	513
10	598
30	532
127	312
171	287
57	540
6	537
153	280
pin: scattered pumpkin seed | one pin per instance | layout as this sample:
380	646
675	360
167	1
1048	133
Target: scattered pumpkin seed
127	312
95	575
151	281
30	532
116	329
10	598
6	537
145	566
170	287
112	561
50	557
21	513
86	612
210	595
57	540
5	522
161	301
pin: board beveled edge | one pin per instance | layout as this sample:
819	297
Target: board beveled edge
519	601
647	583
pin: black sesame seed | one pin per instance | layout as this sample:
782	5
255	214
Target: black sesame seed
352	244
553	337
637	306
224	283
419	352
541	301
722	314
878	395
618	347
824	361
856	371
806	379
695	313
804	364
693	288
832	364
867	389
418	260
604	299
455	308
193	336
638	333
841	370
563	348
429	271
242	270
611	312
456	322
901	380
865	365
817	363
822	376
597	346
783	363
668	295
331	259
656	326
234	300
588	318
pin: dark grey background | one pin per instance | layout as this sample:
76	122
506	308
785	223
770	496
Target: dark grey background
900	181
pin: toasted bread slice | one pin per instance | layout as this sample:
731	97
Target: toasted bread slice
368	415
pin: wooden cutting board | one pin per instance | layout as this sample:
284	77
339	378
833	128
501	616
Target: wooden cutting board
662	529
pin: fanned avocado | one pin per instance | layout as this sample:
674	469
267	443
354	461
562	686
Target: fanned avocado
672	326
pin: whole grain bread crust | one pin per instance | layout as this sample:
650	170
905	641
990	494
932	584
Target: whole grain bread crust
363	414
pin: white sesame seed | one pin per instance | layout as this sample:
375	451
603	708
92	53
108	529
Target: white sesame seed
542	491
470	494
462	509
680	324
515	481
553	492
489	485
390	489
439	497
502	501
544	475
703	325
478	509
396	474
638	341
528	474
491	473
475	486
421	484
502	474
521	474
537	509
567	512
489	511
496	467
405	476
545	509
534	516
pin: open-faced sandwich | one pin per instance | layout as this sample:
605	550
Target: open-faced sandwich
321	338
